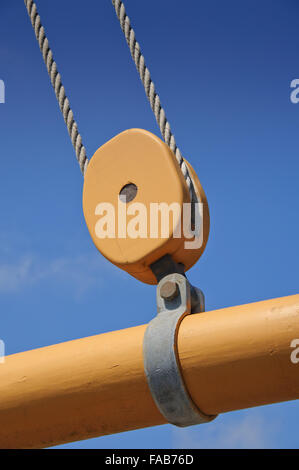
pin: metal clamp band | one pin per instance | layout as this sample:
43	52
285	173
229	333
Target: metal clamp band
161	361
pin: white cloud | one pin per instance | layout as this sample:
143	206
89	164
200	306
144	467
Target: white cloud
14	276
230	432
80	272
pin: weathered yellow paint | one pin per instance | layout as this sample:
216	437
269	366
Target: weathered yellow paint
231	359
139	157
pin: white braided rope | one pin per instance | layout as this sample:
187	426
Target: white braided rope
150	89
57	85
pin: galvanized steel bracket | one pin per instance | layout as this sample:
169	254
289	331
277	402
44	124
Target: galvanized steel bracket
161	360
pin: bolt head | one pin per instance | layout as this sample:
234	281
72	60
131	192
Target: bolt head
169	290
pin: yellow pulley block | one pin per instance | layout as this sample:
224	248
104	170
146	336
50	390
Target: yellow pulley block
137	205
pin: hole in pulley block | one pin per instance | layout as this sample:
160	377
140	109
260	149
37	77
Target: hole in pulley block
128	192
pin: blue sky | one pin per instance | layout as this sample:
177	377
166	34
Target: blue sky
223	71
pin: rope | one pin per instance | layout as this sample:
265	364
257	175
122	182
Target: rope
150	89
145	77
57	85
